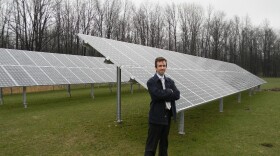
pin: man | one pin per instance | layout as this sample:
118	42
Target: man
163	94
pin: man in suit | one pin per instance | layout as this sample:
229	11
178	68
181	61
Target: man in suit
163	94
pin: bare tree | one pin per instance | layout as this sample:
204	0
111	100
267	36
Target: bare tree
194	19
216	32
171	17
111	13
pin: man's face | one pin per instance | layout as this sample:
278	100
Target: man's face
161	67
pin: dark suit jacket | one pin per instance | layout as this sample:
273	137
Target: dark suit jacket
157	114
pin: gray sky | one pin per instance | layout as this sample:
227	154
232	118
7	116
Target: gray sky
257	10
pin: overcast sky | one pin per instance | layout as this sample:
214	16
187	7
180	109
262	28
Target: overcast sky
257	10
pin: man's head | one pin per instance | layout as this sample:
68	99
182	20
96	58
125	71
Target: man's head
160	65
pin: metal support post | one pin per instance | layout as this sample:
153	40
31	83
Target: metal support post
92	91
139	86
24	97
1	96
221	105
119	120
259	88
69	90
181	123
131	87
11	89
239	97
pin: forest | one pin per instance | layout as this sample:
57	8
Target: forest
52	26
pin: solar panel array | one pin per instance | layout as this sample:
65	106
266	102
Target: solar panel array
26	68
200	80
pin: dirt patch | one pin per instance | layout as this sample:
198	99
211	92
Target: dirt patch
273	89
30	89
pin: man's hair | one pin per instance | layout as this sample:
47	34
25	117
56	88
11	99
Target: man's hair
160	59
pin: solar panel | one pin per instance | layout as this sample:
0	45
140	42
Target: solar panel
93	75
21	58
6	58
70	76
37	58
104	75
85	61
55	75
52	60
200	80
20	76
26	68
38	75
64	60
82	75
76	60
5	80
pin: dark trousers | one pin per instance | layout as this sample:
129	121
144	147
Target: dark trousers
157	134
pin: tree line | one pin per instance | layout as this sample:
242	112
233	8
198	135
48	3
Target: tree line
52	25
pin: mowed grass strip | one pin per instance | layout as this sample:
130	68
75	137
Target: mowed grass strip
54	124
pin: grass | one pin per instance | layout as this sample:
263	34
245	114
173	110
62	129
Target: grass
54	124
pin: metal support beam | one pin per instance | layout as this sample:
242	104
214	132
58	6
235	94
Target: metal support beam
139	86
181	123
119	119
131	87
221	105
24	97
239	97
92	91
69	90
1	96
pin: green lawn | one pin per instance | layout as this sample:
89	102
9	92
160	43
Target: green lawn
54	124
